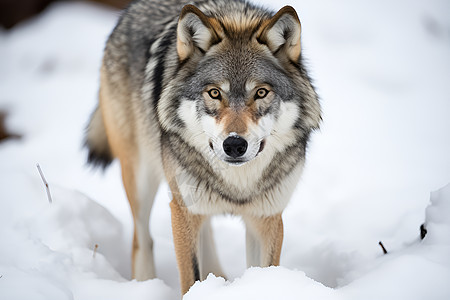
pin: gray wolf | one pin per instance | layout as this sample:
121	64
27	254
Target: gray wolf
214	98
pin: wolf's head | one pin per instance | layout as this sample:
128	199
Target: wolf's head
240	88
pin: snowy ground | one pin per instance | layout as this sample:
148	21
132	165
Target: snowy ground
382	69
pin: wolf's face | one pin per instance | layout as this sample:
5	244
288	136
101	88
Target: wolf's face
238	91
242	92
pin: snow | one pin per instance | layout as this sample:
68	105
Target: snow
378	168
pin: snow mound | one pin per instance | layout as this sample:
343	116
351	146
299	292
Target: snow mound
437	221
69	249
262	283
416	272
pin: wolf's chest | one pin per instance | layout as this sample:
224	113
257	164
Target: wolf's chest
238	195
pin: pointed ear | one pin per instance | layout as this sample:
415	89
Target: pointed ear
195	30
281	33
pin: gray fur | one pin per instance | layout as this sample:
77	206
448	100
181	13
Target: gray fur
149	84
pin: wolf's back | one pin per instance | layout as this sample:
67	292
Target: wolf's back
126	55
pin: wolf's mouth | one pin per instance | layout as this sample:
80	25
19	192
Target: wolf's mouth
236	162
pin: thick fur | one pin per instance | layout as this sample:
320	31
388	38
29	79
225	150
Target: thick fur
178	80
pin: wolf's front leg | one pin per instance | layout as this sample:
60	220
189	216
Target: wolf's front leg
264	238
186	229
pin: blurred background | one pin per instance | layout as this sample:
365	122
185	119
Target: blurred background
15	11
12	12
381	69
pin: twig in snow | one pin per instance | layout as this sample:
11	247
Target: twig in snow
423	231
382	247
49	196
95	250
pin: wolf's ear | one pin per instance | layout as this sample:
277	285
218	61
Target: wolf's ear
281	33
195	30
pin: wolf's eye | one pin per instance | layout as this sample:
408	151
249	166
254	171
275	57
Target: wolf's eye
214	94
261	93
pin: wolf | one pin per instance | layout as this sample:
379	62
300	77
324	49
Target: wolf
213	97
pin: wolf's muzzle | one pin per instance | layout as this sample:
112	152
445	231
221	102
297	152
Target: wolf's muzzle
235	146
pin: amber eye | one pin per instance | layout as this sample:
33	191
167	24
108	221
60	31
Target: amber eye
214	94
261	93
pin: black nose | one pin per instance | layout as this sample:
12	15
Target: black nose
235	146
